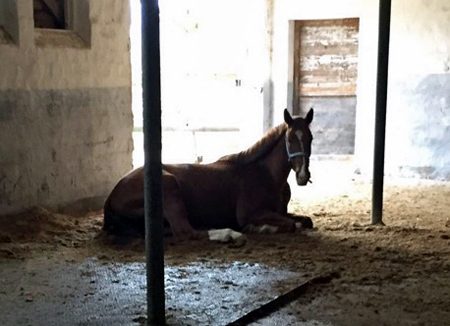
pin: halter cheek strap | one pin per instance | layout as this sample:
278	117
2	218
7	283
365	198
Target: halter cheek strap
295	154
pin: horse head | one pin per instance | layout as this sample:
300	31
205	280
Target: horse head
298	145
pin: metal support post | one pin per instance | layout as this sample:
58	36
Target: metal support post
380	114
151	86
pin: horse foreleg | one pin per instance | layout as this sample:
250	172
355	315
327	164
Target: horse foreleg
174	210
226	235
269	222
285	197
301	221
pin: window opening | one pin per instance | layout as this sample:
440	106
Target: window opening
49	14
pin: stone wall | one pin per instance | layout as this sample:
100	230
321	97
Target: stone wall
65	107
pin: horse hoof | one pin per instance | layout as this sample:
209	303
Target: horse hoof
306	223
225	235
238	242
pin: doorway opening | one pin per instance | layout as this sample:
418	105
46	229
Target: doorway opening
211	78
325	70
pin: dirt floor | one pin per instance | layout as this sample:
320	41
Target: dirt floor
398	274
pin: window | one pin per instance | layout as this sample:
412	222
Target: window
63	23
49	14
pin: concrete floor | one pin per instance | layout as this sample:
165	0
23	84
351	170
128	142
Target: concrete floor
94	292
394	275
45	290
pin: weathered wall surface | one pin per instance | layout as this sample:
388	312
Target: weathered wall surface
65	110
418	122
418	125
290	10
325	61
334	123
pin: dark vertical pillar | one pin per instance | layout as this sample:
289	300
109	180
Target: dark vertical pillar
151	86
380	114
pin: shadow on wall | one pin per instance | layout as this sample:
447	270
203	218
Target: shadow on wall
421	132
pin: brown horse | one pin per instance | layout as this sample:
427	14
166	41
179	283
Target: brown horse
245	192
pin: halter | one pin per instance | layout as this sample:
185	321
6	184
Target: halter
295	154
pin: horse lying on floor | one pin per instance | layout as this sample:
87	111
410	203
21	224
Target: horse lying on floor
244	192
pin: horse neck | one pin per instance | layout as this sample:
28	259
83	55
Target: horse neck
277	163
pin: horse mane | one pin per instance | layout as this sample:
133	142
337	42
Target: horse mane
261	148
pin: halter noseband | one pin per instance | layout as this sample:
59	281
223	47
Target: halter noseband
295	154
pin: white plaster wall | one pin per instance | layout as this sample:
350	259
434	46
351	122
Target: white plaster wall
418	121
367	12
419	84
106	63
65	112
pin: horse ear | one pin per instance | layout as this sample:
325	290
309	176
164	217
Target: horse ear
287	117
309	116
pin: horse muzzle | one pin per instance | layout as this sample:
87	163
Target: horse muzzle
302	178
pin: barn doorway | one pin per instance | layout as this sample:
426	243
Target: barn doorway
325	71
211	78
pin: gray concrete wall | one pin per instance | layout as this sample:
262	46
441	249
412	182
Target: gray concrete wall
65	110
334	123
8	19
418	121
419	80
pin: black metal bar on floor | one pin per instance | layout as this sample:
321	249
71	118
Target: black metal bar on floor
283	300
380	114
151	86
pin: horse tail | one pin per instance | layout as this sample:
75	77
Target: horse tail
108	216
